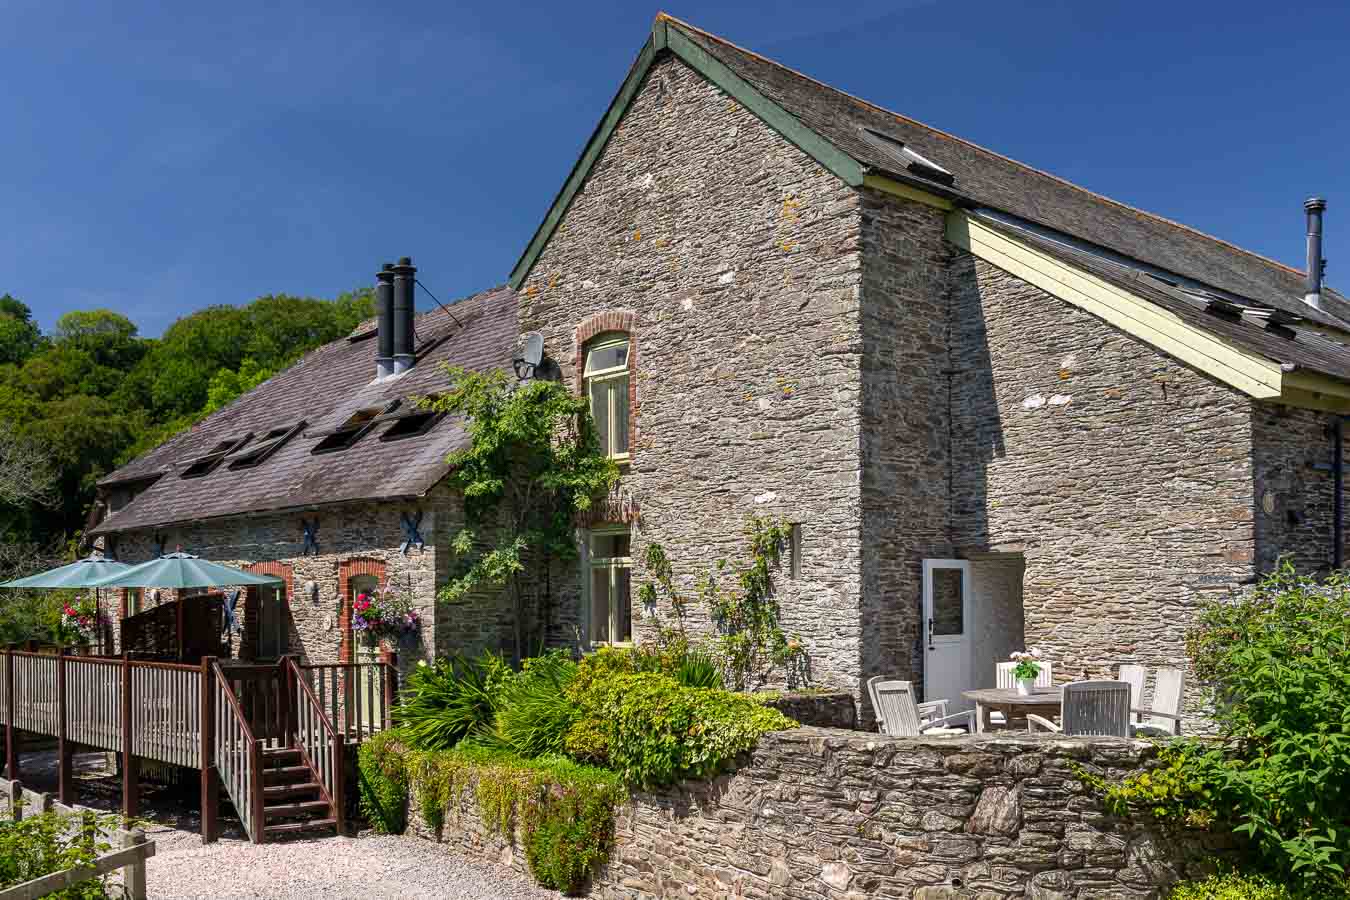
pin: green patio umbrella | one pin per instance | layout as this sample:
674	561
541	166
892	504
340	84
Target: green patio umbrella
87	572
183	570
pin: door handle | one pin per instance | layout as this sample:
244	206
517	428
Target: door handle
930	634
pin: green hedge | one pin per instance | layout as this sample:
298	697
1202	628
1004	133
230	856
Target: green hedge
1238	886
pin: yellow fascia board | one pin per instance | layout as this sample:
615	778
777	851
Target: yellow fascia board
1317	400
1314	383
897	189
1254	375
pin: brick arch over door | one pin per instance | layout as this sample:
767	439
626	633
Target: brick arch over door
347	570
252	608
622	321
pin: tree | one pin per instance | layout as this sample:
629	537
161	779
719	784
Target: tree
227	386
533	463
19	334
109	337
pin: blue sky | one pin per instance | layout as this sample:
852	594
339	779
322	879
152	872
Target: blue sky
157	158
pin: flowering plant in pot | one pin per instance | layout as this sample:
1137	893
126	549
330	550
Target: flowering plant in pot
1026	671
80	619
384	614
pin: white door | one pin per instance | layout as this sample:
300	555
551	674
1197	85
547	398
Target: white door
947	630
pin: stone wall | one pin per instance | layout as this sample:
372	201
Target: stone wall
817	813
355	532
906	442
829	709
736	260
1123	477
1294	492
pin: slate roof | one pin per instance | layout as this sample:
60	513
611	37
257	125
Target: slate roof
985	178
1285	341
323	389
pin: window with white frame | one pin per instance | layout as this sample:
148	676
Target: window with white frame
610	566
606	379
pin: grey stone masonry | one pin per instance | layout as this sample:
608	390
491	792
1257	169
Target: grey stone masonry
735	261
818	813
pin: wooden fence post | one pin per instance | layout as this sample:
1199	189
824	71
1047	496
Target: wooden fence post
390	660
131	769
11	739
339	797
15	791
210	776
64	749
256	792
133	875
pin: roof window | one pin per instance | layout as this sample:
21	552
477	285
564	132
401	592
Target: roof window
354	428
270	443
414	422
207	462
909	160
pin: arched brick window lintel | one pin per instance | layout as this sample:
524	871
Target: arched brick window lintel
347	570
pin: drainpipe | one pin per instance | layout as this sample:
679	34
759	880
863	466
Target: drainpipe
1338	502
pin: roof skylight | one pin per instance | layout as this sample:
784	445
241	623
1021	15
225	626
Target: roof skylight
354	428
269	443
412	423
207	462
908	159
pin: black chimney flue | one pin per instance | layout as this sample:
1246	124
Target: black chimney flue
1315	206
404	282
384	310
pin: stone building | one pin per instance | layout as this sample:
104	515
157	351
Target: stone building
998	410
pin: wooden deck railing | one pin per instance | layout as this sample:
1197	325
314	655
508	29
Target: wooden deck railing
237	756
320	743
358	699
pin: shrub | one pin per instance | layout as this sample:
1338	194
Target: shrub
443	702
1239	886
382	782
1277	662
564	811
655	731
41	844
533	711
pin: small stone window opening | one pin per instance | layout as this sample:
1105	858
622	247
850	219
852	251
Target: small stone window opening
795	550
606	380
207	462
353	429
610	566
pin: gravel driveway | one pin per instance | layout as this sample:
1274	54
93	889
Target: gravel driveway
369	867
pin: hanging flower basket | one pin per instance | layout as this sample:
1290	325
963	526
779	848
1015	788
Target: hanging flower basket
80	619
384	615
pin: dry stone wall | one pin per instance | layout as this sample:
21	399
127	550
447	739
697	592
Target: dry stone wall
737	260
818	813
1295	490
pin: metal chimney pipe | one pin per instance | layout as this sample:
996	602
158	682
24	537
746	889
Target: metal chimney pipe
405	274
1316	264
384	309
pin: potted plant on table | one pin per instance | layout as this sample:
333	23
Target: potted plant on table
1027	670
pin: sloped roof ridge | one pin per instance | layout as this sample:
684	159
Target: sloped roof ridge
666	17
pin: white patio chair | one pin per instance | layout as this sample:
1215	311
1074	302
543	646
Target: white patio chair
1003	678
1100	708
1163	717
900	715
1135	676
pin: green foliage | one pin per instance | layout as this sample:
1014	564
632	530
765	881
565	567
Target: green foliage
1278	665
534	713
533	463
1244	886
20	337
227	386
41	844
750	646
382	782
442	703
653	731
562	811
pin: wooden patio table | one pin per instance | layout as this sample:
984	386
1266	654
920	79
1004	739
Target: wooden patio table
1043	701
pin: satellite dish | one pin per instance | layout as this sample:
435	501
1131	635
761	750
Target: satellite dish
529	355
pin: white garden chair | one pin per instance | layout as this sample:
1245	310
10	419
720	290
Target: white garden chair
1163	717
1097	708
1135	676
900	715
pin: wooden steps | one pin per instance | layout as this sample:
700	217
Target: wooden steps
293	799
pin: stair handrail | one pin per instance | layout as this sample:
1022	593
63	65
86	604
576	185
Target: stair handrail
250	808
324	757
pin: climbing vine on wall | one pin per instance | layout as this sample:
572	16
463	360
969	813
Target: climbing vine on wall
533	463
749	643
